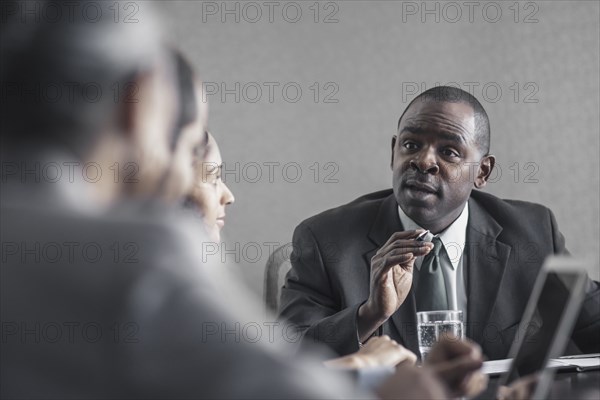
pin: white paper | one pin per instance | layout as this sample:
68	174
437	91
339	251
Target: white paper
496	367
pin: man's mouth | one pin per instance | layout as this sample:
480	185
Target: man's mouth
420	187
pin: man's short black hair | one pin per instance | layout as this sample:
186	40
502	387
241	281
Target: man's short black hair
47	66
450	94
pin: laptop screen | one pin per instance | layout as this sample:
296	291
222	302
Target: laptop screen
540	326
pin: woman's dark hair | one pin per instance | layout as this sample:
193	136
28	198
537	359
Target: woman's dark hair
188	103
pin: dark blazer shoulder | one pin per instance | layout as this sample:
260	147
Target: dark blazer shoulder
508	210
520	220
507	207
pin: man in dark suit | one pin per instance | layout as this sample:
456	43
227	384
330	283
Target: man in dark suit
357	270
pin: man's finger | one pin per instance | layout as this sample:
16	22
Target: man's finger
410	357
404	235
417	248
453	372
521	389
473	384
404	243
391	261
411	249
450	347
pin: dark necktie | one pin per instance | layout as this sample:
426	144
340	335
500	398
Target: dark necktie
431	289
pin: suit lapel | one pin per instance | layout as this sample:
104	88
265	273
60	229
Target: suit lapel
486	260
386	223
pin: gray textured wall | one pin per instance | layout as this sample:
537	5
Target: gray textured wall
545	134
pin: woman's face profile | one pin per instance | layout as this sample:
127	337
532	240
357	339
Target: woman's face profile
209	194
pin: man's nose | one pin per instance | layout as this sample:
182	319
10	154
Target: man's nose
425	162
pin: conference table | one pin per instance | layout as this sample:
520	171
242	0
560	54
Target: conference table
576	385
566	386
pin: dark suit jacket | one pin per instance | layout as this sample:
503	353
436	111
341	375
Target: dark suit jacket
506	244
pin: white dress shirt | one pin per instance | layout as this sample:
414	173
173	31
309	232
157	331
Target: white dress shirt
451	260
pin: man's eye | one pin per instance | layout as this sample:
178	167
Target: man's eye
449	153
410	145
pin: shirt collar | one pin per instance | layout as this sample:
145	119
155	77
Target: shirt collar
453	237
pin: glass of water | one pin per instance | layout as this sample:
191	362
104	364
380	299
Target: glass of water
433	325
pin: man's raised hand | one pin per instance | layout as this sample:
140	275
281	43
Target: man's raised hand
391	279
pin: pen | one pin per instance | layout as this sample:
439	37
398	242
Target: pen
421	237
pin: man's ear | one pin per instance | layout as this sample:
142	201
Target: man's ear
393	146
485	170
